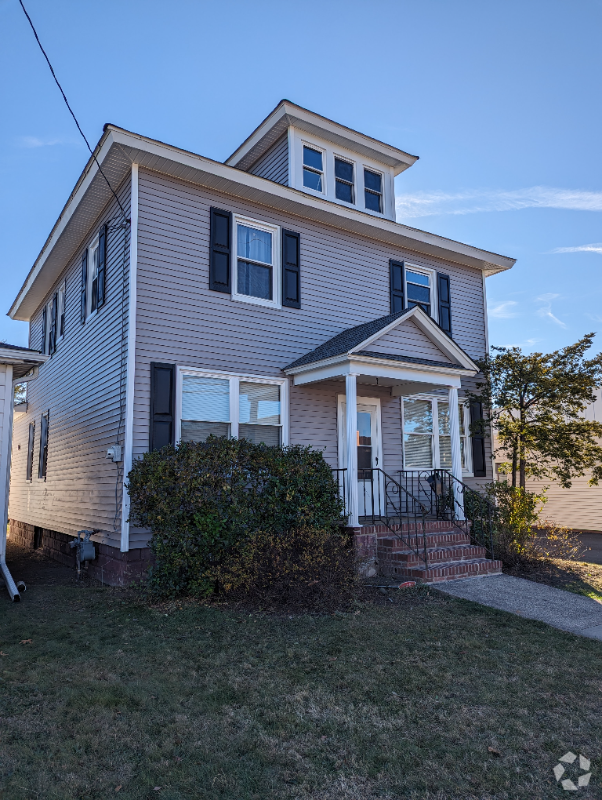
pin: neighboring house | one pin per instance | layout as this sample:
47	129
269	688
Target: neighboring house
273	296
17	364
580	507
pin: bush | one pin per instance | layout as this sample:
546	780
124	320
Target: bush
516	515
204	501
305	567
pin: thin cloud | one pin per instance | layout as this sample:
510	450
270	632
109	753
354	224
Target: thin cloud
36	141
526	343
582	248
426	204
545	311
503	310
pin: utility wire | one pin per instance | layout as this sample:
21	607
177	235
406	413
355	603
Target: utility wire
56	80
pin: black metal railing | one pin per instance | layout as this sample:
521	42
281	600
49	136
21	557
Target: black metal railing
383	499
448	498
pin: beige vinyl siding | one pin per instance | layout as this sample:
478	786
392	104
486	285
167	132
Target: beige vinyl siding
407	340
344	282
79	386
273	165
579	507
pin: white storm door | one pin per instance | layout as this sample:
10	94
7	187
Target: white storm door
369	453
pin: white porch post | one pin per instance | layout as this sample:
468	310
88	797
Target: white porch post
351	419
456	453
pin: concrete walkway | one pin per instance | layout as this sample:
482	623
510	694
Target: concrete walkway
565	610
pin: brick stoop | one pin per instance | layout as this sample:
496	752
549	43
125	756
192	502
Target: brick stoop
450	556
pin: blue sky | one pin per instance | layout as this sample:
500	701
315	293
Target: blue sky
501	101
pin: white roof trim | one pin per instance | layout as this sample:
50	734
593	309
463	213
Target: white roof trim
122	148
430	330
288	114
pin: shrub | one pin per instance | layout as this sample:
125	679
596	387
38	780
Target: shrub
516	515
201	500
304	567
554	541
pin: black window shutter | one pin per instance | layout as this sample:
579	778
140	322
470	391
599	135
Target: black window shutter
220	251
479	467
44	324
102	263
84	285
291	270
43	458
396	285
30	446
444	303
162	402
53	321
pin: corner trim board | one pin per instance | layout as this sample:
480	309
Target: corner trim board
128	443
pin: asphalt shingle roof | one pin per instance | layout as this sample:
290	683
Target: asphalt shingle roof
347	340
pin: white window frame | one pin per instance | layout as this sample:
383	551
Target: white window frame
235	379
316	147
60	309
347	160
274	230
380	213
434	400
48	325
92	248
432	275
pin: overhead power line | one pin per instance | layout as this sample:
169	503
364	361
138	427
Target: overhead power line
56	80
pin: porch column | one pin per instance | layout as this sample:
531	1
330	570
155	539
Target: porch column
456	453
351	419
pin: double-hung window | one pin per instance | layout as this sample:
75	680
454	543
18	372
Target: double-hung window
419	289
43	456
30	446
257	277
373	191
313	168
93	263
62	298
231	406
343	175
427	434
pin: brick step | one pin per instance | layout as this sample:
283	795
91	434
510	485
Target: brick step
430	526
438	555
447	538
447	572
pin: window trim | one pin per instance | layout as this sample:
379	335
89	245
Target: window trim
276	301
43	452
315	147
353	184
61	310
432	275
235	379
31	446
48	307
467	472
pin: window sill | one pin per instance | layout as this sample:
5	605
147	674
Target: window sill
256	301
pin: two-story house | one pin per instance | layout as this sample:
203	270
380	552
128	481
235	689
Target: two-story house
273	296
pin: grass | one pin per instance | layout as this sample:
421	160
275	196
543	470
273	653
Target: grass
103	697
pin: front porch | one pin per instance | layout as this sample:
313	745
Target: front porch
402	486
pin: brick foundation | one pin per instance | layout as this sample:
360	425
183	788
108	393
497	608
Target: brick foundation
110	566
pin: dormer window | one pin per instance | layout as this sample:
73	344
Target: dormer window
373	191
343	174
313	169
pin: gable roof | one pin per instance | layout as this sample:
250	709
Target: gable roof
287	114
357	340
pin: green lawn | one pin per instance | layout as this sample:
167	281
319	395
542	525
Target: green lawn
397	700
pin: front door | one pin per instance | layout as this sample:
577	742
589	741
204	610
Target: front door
369	453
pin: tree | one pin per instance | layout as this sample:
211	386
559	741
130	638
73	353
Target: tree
20	393
535	405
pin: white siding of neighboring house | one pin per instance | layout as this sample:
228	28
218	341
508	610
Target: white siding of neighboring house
79	386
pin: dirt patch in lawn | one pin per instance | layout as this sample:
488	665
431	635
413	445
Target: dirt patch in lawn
573	576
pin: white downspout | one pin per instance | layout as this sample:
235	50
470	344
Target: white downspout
128	443
6	444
